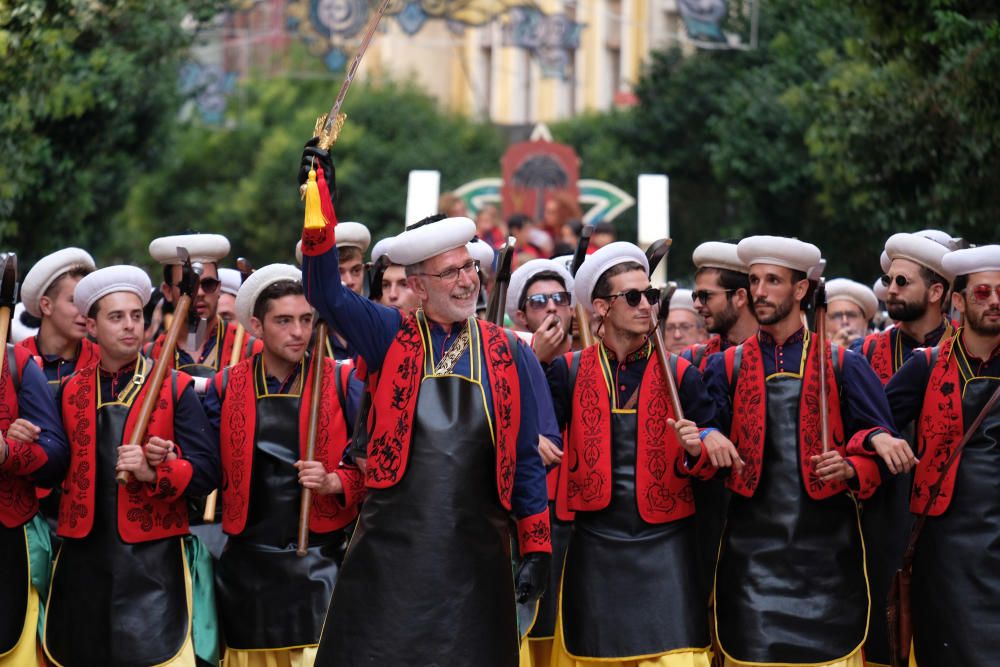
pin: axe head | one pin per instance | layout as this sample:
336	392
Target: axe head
245	268
655	253
666	294
8	279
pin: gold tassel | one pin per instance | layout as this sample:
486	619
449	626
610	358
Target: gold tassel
314	210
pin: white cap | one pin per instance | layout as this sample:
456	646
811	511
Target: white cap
352	235
381	248
231	280
919	249
47	270
121	278
880	290
205	248
856	293
884	261
257	282
18	329
606	257
520	279
938	236
972	260
482	251
718	255
816	272
683	299
779	251
423	241
298	252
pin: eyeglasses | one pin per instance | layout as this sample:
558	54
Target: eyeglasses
209	285
633	296
539	301
679	327
450	275
982	293
900	280
704	295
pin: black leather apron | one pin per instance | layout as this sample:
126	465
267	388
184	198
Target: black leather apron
112	603
427	577
631	588
790	583
956	571
268	597
548	605
886	522
14	591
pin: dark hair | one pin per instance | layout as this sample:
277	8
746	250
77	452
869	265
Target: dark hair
603	283
275	290
349	252
605	227
75	272
961	282
517	221
730	280
931	277
562	248
541	275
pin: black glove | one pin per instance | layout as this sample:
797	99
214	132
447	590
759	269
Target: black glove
311	155
533	576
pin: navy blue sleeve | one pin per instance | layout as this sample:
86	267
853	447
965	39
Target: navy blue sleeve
905	391
717	386
863	404
557	375
369	328
530	494
212	403
547	425
857	345
698	405
199	446
36	404
355	388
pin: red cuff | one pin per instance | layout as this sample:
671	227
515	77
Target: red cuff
534	534
318	241
702	468
172	478
856	445
353	481
23	458
867	475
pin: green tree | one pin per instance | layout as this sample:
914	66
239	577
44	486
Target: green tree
239	179
88	90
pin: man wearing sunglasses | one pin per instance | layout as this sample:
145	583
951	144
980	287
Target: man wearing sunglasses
211	348
631	588
790	580
941	391
722	297
452	453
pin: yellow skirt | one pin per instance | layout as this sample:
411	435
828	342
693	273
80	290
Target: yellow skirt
856	659
682	658
536	653
282	657
25	652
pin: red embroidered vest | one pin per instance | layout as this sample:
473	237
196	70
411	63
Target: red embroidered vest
700	352
662	494
18	502
877	349
90	353
750	419
394	402
237	436
145	512
939	430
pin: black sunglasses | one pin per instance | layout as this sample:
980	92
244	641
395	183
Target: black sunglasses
901	280
704	295
633	296
208	284
538	301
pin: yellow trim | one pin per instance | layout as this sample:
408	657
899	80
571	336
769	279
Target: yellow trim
208	363
621	411
276	648
260	381
24	649
868	592
127	395
967	379
186	645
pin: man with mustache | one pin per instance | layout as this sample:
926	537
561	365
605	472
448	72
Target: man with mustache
47	293
631	589
452	452
941	390
916	286
790	581
121	591
261	409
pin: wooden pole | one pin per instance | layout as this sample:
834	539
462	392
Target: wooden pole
318	361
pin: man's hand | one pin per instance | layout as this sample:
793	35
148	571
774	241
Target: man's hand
315	157
548	339
23	431
895	452
532	576
313	475
159	450
550	453
132	459
832	467
721	451
688	434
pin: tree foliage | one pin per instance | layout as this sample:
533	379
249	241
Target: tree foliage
88	91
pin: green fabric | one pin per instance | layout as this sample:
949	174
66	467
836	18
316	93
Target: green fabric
204	620
40	557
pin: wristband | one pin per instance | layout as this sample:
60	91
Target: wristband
703	433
